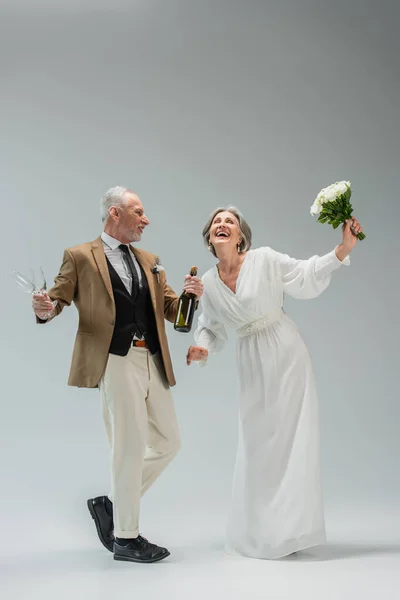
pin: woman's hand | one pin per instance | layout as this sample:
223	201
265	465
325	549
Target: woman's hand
351	228
196	353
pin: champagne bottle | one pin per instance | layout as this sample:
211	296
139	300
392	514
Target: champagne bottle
186	308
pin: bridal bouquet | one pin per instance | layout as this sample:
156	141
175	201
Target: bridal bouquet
332	205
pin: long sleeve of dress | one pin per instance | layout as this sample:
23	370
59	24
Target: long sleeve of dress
210	334
306	279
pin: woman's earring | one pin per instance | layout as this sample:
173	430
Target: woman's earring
238	247
209	247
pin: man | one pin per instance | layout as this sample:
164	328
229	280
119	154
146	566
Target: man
121	347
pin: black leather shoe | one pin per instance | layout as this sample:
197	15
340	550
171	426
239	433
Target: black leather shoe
101	510
139	550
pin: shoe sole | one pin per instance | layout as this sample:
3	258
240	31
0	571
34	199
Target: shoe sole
98	528
138	560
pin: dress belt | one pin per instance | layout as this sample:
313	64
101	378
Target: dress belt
259	324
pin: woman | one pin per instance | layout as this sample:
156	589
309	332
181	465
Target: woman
277	502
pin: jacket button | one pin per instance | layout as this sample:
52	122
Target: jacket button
112	322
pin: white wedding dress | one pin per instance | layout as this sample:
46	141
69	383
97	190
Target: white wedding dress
277	504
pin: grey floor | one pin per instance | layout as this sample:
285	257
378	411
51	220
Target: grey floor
361	560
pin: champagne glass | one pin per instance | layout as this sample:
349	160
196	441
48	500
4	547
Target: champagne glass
28	284
32	284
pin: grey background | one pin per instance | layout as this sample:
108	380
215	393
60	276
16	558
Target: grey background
195	105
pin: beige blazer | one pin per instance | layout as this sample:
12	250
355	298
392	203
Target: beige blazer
84	279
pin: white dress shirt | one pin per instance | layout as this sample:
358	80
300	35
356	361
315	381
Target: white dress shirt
118	260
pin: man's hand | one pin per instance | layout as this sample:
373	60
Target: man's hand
196	353
43	306
193	285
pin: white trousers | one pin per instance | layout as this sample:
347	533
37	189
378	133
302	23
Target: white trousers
142	430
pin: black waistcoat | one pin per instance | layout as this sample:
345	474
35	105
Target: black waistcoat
134	315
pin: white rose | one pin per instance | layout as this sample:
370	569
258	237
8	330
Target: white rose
316	208
340	188
330	193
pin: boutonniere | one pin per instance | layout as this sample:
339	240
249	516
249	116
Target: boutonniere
156	270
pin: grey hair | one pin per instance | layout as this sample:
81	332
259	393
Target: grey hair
113	197
244	228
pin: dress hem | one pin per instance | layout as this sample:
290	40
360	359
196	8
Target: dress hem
302	543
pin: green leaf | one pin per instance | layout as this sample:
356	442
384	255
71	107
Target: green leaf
329	213
329	205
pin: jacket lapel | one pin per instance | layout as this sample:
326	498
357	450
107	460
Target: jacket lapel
100	258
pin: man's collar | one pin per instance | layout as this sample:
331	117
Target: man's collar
110	241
